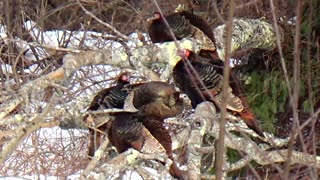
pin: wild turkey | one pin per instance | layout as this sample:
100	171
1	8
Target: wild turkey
144	130
143	133
183	24
204	81
157	99
112	97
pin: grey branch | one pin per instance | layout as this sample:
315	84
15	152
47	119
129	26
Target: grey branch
247	34
97	156
254	152
202	118
23	132
125	160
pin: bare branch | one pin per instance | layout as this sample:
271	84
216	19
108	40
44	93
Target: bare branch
254	152
22	132
97	156
102	22
247	34
127	158
202	122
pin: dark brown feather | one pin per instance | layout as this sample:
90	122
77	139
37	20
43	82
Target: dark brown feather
158	131
112	97
203	81
200	23
143	130
143	133
183	24
126	131
158	99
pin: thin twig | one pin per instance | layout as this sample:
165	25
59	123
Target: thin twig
124	37
296	91
36	124
97	156
220	161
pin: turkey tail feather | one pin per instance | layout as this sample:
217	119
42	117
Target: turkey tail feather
251	122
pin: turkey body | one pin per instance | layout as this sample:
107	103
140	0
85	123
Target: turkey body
143	130
146	134
202	80
158	99
112	97
182	24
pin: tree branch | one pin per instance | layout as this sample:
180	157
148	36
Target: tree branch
201	124
254	152
247	34
125	160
